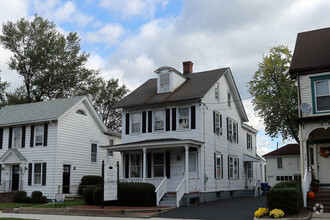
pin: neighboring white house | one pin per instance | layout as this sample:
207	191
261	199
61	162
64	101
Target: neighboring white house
186	133
49	146
283	164
310	67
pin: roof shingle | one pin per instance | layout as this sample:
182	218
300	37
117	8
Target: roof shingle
289	149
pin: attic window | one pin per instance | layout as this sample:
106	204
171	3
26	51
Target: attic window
81	112
164	82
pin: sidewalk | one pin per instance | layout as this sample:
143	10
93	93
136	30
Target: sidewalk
320	216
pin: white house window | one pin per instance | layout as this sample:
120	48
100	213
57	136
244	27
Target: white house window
232	130
322	95
39	135
159	120
192	161
136	123
233	167
229	99
159	164
218	165
17	137
249	167
279	162
217	123
183	118
216	91
93	152
135	165
164	82
111	142
249	141
37	173
81	112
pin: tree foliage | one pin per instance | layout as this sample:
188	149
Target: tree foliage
53	66
275	94
3	87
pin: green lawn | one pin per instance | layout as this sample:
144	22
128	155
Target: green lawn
14	205
61	205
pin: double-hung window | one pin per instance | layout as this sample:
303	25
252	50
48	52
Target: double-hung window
183	118
164	82
159	120
279	163
37	173
216	91
217	123
158	163
229	99
218	166
135	165
322	95
17	137
249	141
232	127
136	123
93	152
39	135
233	167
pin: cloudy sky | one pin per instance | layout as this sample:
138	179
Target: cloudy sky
129	39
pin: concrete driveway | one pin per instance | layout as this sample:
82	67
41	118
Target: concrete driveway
236	208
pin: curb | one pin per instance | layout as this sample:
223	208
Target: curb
303	218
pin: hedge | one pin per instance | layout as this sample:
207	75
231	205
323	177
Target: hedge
289	184
97	196
90	180
35	196
136	194
19	196
88	195
289	199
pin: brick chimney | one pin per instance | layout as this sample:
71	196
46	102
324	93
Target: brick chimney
187	67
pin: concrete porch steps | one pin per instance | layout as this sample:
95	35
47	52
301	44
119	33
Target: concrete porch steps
168	200
322	198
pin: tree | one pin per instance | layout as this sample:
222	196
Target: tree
50	63
108	93
275	94
3	87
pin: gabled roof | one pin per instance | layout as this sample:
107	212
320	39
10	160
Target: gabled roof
311	53
287	150
17	156
37	111
195	87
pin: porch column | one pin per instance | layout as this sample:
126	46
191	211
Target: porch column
187	167
144	166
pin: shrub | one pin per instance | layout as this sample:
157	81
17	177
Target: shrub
43	199
89	181
35	196
88	195
136	194
27	199
97	196
294	184
288	199
20	196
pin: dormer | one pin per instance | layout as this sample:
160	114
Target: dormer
168	78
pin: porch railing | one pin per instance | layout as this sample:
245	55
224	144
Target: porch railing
161	190
194	184
305	185
154	181
7	186
180	190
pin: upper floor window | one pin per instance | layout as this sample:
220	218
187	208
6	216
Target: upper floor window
229	99
17	137
183	118
216	91
136	123
322	95
159	120
81	112
93	152
217	123
39	135
232	128
164	82
111	142
249	141
279	162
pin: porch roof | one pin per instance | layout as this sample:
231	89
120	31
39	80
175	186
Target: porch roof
155	143
248	158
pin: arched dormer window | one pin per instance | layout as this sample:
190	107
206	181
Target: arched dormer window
81	112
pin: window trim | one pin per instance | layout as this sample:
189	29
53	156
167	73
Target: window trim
160	83
232	127
131	123
314	80
219	121
154	120
20	138
34	173
234	168
35	135
178	118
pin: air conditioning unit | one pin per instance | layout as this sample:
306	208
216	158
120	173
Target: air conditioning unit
231	137
218	130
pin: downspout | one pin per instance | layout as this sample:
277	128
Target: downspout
205	178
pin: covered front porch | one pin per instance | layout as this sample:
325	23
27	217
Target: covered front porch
171	165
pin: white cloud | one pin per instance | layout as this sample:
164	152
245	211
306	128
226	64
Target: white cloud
132	8
109	34
13	10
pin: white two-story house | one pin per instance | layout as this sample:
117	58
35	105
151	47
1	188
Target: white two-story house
186	134
310	67
283	164
49	146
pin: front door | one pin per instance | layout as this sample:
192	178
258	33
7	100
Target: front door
323	164
66	179
15	178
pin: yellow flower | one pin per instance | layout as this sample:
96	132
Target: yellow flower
276	213
261	212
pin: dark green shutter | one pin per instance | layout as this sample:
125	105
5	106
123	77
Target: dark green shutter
215	164
214	129
32	136
30	175
126	165
168	119
173	119
193	117
149	164
10	138
168	164
127	123
149	121
144	122
1	139
45	134
44	172
23	137
221	166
